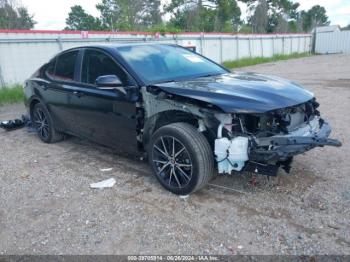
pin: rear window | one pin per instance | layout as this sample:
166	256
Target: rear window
50	69
65	66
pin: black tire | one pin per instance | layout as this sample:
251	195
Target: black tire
45	127
191	168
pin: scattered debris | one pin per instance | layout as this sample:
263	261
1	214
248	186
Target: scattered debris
11	125
184	197
226	188
25	177
106	169
334	226
253	181
104	184
240	247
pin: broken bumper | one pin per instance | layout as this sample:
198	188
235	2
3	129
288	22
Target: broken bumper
282	147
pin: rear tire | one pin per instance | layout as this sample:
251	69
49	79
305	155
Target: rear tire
181	158
44	125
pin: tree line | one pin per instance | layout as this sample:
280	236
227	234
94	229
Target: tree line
263	16
14	16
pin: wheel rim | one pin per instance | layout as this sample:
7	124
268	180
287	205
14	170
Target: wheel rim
41	123
172	162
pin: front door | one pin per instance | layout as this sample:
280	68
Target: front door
105	116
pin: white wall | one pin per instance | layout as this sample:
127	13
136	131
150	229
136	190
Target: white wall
332	42
23	52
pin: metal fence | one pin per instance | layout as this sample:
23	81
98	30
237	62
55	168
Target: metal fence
332	42
22	52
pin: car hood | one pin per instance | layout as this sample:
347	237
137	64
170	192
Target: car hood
241	92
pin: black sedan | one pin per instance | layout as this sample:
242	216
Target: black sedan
187	113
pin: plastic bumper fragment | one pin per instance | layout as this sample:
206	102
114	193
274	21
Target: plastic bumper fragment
280	148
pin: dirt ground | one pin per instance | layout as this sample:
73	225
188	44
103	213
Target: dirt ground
47	207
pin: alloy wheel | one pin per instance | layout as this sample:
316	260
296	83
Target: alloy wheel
172	162
41	123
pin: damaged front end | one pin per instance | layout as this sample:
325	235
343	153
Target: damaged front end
254	140
261	143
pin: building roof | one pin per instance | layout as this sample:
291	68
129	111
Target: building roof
325	29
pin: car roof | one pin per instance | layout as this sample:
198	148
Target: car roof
114	46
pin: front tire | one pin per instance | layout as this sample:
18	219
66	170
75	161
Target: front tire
181	158
44	125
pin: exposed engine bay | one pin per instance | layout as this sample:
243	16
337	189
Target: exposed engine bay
259	143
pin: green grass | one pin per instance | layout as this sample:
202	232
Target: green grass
260	60
11	94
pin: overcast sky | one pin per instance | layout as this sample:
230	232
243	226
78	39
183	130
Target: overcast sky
51	15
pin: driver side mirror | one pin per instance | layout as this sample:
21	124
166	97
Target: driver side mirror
108	81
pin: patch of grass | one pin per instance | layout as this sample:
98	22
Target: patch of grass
11	94
260	60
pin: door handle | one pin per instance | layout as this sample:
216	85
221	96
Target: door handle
78	93
45	86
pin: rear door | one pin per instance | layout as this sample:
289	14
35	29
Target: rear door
62	75
105	116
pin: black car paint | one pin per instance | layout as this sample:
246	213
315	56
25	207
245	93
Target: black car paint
109	117
104	116
241	92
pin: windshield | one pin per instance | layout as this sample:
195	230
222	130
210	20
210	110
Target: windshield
163	63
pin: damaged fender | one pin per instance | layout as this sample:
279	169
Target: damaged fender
159	109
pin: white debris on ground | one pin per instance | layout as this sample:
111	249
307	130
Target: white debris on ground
106	169
104	184
184	197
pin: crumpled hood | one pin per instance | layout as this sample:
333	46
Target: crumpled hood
241	92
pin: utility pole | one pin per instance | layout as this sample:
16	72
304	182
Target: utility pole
2	81
112	25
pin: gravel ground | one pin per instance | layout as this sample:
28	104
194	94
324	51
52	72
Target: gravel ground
47	207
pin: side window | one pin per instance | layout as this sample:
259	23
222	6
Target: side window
50	69
65	66
97	64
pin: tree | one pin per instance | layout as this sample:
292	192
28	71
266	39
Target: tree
12	17
153	16
192	17
280	24
25	20
78	19
346	27
228	15
205	15
276	6
122	15
245	28
260	19
316	16
283	16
